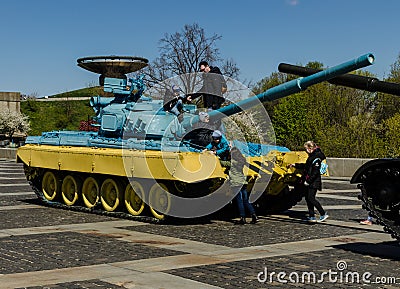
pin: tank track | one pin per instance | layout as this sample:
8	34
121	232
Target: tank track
281	202
379	182
96	210
389	226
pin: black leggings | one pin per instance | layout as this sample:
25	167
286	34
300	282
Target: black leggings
312	202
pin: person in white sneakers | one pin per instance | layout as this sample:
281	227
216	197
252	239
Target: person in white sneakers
311	179
367	221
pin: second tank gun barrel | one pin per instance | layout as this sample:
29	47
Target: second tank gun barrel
288	88
371	84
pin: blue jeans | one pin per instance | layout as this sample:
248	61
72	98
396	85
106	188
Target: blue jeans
242	201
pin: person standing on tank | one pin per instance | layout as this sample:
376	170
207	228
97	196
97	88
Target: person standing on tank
312	181
214	86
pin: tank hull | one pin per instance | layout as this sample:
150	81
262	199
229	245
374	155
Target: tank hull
51	170
186	167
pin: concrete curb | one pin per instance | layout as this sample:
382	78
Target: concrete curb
8	153
344	167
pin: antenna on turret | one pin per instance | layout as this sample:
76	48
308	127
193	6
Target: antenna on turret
112	66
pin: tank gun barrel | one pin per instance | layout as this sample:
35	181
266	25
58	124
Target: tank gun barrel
290	87
371	84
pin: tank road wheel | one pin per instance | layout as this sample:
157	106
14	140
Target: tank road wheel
180	186
134	195
110	195
159	198
90	192
69	190
50	185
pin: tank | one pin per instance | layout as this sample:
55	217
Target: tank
146	163
379	179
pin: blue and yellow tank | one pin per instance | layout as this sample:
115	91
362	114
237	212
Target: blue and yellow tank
145	159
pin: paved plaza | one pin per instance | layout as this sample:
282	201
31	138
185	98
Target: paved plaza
42	247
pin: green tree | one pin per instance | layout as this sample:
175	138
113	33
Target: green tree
56	115
330	109
391	126
324	113
290	121
388	105
276	78
359	138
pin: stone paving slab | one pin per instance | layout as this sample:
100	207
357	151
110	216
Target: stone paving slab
21	193
103	227
336	194
355	214
10	167
266	231
243	274
44	216
337	185
330	201
13	180
13	200
61	276
69	249
159	280
87	284
12	188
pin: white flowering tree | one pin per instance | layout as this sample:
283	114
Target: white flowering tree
12	122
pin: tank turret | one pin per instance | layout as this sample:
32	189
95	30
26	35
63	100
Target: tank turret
143	156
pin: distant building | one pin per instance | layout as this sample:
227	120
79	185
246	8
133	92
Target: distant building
10	100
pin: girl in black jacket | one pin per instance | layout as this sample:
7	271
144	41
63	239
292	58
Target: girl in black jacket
311	179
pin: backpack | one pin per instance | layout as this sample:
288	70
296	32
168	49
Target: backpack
324	166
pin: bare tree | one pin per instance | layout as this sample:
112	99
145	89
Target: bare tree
181	53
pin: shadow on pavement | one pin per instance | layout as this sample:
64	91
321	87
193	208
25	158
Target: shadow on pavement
384	250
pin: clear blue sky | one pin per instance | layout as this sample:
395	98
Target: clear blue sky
41	39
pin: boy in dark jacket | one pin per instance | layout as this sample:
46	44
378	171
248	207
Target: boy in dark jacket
214	86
